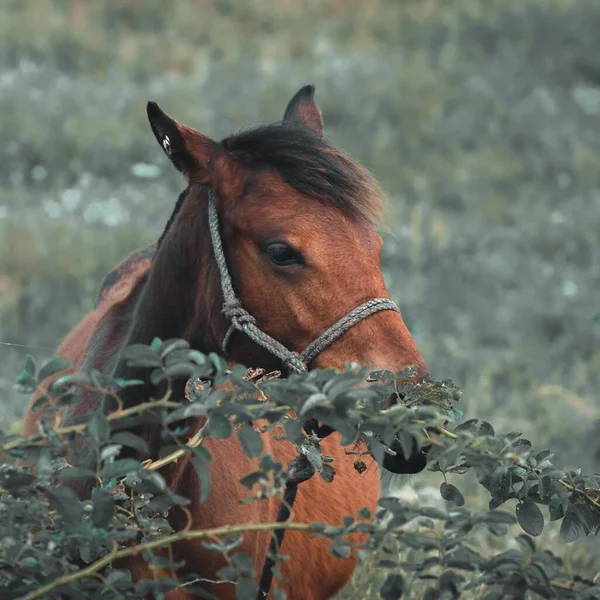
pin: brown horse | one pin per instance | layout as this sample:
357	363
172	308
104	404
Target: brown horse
298	229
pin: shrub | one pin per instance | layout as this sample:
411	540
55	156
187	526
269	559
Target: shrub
51	542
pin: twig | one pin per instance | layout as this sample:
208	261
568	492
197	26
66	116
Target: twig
193	442
120	414
166	541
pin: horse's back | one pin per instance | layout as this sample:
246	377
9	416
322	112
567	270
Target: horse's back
100	332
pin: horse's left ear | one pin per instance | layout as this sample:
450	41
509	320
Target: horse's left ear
189	150
303	110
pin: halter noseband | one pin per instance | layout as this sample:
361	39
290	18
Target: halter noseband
243	321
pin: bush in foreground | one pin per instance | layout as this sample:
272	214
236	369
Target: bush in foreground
47	533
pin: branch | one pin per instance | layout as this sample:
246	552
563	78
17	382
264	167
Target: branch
119	414
167	541
193	442
227	530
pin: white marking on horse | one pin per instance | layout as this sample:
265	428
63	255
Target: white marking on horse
167	144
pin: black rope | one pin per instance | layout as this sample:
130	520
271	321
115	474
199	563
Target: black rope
300	469
321	431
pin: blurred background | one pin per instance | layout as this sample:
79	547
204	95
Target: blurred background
480	118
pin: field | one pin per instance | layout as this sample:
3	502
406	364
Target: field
480	118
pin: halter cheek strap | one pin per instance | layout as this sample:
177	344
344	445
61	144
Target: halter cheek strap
243	321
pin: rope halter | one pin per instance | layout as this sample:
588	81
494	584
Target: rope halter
243	321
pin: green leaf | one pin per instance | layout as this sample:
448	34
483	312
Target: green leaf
293	430
536	573
155	344
245	588
543	455
585	516
104	508
393	587
197	357
327	473
251	479
30	561
250	440
571	529
66	503
40	403
139	355
51	367
173	372
556	508
364	513
169	345
149	482
18	481
553	473
64	382
126	438
69	473
530	517
203	473
500	516
312	402
120	468
486	429
116	576
29	367
99	428
218	427
341	384
452	494
26	379
544	487
340	550
110	452
407	443
526	542
219	362
455	415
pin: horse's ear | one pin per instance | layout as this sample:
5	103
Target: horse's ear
303	110
188	149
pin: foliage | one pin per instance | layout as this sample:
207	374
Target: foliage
52	542
476	116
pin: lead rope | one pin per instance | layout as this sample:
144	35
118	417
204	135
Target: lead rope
300	469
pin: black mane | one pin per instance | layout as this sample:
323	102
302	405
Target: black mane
310	165
178	206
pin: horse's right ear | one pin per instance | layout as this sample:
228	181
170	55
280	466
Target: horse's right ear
189	150
303	111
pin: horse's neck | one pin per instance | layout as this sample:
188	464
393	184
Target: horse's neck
177	302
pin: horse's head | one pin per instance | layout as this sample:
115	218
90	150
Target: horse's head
297	222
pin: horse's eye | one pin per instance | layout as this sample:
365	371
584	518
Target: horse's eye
283	255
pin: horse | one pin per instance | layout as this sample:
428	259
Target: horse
292	222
